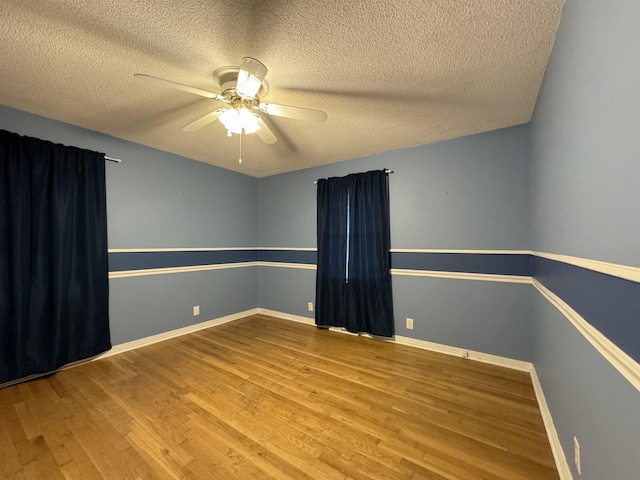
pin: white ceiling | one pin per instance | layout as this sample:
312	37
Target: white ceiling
389	74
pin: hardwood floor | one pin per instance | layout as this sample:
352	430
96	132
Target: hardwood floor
268	398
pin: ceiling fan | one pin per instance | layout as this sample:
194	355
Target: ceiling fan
241	88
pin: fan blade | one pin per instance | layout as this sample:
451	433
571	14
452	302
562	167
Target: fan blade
297	113
178	86
265	133
203	121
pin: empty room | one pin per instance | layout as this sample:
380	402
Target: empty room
324	240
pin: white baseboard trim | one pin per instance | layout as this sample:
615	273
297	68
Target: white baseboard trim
160	337
448	350
464	353
286	316
556	448
303	266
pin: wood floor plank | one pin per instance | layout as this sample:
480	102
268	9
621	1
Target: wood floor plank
261	397
45	467
256	452
9	463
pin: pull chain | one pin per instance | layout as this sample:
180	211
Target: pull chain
240	157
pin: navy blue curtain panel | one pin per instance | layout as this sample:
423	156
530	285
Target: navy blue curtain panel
54	290
353	279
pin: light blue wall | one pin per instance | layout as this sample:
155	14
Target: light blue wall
286	290
149	305
467	193
159	200
585	136
488	317
585	180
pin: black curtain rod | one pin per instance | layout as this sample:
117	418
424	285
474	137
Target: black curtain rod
386	170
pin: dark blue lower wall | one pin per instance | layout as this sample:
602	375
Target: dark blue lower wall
122	261
485	263
488	263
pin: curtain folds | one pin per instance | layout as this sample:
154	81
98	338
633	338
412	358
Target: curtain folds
54	291
353	279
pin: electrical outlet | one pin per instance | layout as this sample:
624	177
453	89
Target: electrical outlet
196	310
409	323
310	306
576	455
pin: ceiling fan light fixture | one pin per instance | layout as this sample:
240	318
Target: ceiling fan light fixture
231	121
248	120
235	121
250	77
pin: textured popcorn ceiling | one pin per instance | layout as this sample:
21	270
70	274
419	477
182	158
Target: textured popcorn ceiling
389	74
